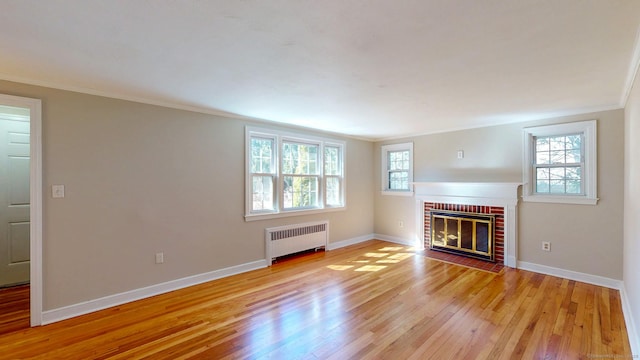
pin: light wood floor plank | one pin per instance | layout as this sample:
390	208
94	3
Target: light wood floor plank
374	300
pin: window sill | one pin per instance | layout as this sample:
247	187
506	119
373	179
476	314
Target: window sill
283	214
577	200
397	193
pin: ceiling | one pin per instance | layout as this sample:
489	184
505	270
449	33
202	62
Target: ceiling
374	69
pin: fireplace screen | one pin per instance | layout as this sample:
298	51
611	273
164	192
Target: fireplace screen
468	234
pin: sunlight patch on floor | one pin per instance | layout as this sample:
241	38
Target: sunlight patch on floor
376	255
387	255
340	267
370	268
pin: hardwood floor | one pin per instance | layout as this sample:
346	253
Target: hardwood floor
374	300
14	309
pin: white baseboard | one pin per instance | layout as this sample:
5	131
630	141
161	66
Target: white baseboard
51	316
399	240
571	275
632	329
352	241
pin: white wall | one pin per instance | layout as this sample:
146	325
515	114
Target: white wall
631	272
141	179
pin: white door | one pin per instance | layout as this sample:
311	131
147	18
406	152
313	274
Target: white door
14	196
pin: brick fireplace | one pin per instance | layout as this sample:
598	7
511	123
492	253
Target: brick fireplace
496	211
496	199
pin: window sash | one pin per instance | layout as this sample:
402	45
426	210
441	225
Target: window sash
262	191
333	191
558	179
306	163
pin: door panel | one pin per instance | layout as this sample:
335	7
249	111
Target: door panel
14	201
18	243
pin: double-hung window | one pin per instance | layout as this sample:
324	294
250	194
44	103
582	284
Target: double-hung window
292	174
397	169
560	163
263	172
333	175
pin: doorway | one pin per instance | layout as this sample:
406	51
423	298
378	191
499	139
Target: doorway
14	196
21	198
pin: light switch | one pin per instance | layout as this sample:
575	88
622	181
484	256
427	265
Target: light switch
460	154
57	191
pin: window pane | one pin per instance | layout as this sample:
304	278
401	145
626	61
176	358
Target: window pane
299	159
573	156
542	157
333	191
556	173
542	144
556	143
557	156
542	174
542	186
332	161
574	187
574	142
262	193
300	191
573	173
398	180
557	186
398	160
261	155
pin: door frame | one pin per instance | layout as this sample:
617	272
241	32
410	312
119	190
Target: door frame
35	191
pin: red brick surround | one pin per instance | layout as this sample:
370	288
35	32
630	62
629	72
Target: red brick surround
494	210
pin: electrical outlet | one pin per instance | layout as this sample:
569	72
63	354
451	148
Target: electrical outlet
159	258
460	154
546	246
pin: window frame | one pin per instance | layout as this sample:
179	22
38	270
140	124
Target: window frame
280	137
588	131
385	150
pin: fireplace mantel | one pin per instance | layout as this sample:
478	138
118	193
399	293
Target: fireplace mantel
468	193
503	194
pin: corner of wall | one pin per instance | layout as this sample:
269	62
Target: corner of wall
632	329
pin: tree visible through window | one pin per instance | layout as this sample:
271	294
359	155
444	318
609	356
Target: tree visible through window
300	172
558	164
287	172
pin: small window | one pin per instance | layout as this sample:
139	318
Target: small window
397	169
560	163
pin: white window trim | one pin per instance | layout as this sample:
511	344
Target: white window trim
385	149
588	129
279	136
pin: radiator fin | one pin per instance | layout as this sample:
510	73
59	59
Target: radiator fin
289	233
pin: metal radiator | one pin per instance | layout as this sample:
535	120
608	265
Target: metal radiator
290	239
